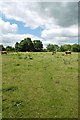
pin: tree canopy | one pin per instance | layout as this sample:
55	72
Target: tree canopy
37	46
10	48
2	48
28	45
65	47
50	47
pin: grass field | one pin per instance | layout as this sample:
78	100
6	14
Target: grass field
40	85
0	87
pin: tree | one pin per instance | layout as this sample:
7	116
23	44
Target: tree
30	46
44	50
24	45
65	47
9	48
38	46
17	46
75	47
51	48
62	48
56	47
2	48
78	47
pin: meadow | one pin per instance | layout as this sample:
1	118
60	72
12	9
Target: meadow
40	85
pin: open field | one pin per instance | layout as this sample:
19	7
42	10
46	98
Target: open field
0	87
40	85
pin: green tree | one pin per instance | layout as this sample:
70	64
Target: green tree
51	47
2	48
78	47
56	47
38	46
9	48
62	48
24	45
75	47
17	46
65	47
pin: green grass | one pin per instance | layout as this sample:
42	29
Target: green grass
0	86
40	85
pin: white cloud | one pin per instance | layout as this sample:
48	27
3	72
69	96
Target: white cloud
6	27
24	12
39	0
60	32
59	35
58	20
10	39
64	14
41	14
55	40
60	41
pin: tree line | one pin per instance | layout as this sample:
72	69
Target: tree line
36	46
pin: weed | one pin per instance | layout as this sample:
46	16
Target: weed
25	57
66	62
30	57
18	103
17	64
10	89
19	56
4	99
63	54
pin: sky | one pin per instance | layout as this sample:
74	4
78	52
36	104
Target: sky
50	22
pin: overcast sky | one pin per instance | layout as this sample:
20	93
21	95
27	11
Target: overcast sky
50	22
